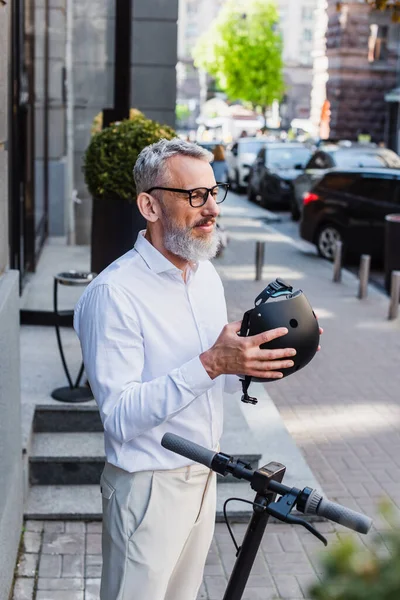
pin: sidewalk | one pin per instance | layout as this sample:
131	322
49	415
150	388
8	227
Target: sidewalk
342	411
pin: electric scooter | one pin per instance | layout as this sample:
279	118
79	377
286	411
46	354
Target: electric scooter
267	483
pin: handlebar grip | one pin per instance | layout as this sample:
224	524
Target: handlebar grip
190	450
316	504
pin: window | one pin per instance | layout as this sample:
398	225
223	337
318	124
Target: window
286	158
307	13
377	43
338	181
320	161
307	35
375	188
350	159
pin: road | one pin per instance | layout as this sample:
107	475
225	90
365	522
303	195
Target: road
282	221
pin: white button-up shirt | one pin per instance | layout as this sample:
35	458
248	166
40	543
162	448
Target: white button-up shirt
142	329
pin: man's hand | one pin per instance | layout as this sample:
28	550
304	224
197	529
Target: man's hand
232	354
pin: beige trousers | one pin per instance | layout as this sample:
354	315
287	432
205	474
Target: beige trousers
157	530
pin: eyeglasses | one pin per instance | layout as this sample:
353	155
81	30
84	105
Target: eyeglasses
199	196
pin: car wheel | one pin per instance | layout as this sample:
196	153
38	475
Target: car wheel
327	237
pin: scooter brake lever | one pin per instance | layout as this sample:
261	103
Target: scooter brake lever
287	518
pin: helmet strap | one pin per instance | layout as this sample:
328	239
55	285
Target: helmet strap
245	386
273	290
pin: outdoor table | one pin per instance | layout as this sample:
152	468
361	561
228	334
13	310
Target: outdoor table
73	392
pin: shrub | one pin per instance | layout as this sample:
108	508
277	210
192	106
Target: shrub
355	573
112	153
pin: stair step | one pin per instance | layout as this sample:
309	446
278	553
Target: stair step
74	502
67	418
78	459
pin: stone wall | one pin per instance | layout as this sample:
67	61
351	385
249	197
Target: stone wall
11	496
356	87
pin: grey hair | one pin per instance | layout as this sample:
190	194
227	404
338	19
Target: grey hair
149	169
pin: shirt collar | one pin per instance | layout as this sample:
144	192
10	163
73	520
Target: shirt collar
156	261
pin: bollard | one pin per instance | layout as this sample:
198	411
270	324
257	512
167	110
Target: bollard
259	259
337	265
394	295
363	276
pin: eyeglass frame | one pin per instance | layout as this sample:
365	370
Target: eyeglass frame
225	186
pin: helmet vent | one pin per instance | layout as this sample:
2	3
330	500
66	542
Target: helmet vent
293	323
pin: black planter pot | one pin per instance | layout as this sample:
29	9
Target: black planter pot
115	226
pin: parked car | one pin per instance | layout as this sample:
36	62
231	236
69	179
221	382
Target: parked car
271	176
350	206
239	157
347	156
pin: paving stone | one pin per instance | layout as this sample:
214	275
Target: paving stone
32	541
50	565
75	527
23	588
93	527
93	543
60	583
288	586
93	559
92	589
59	595
27	565
93	571
34	526
63	543
202	595
215	586
54	526
72	565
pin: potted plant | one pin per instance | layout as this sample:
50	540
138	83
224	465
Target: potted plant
108	169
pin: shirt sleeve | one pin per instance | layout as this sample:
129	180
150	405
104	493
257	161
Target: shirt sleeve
113	353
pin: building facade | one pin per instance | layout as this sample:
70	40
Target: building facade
356	69
297	22
195	18
11	498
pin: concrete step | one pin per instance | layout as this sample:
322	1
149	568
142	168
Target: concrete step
65	418
74	502
78	458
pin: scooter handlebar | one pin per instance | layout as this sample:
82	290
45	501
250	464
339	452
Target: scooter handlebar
189	449
315	504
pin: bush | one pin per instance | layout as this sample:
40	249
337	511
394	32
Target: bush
97	124
112	153
355	573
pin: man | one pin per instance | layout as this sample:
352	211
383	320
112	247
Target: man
159	355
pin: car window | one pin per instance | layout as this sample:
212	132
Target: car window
286	158
352	159
339	181
251	146
319	161
375	188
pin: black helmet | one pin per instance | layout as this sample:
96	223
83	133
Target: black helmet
285	309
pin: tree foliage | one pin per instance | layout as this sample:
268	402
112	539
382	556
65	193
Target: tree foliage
243	51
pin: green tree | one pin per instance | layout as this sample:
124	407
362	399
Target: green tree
243	51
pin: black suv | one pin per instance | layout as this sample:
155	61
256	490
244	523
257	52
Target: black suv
351	206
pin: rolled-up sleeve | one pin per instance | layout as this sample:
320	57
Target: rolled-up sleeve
113	353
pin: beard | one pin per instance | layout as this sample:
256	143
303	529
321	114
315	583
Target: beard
180	241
